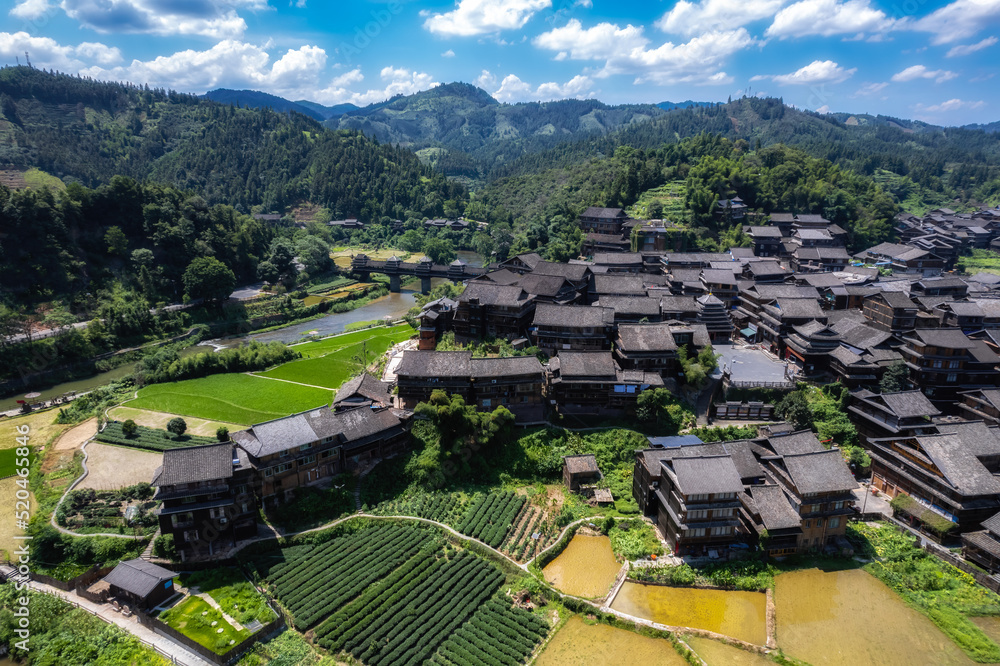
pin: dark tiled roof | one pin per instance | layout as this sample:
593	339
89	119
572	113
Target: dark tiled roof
908	403
678	304
603	213
803	441
944	337
542	285
819	472
424	363
959	465
576	316
502	276
618	258
646	337
511	366
776	512
897	299
366	386
619	284
195	463
763	232
138	576
494	294
586	364
718	276
992	523
707	475
581	464
800	307
639	305
573	272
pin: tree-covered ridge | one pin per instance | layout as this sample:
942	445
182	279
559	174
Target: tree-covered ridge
914	160
476	133
89	131
775	178
83	240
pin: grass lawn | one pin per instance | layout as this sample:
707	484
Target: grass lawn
193	617
329	362
233	592
234	398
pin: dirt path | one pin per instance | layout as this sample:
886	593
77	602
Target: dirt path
74	438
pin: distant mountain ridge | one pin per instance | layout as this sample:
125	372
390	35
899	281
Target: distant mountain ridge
255	99
686	104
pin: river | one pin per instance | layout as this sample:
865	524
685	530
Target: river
393	305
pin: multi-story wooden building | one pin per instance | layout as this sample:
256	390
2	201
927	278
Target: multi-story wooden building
698	504
489	310
207	498
891	311
590	382
944	361
653	347
603	220
899	414
766	240
980	405
572	327
516	383
952	473
306	448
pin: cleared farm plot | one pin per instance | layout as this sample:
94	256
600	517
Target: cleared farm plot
150	419
234	398
113	467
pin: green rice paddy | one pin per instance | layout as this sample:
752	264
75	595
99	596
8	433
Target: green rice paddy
247	399
234	397
329	363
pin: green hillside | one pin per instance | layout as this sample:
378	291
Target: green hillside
89	131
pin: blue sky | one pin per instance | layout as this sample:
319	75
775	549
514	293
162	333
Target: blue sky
929	59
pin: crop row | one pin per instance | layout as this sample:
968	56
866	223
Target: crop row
517	545
496	635
444	508
407	616
339	570
149	438
309	597
490	517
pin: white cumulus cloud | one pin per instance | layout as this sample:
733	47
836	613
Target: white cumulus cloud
49	54
815	73
827	18
959	20
479	17
31	9
951	105
230	63
692	18
869	89
395	81
920	72
627	51
968	49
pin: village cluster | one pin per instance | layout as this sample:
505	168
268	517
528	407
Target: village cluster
794	305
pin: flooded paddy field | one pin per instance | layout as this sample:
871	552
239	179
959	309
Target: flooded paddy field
740	615
586	568
852	618
579	642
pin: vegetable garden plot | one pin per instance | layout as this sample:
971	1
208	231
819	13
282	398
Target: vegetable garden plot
490	517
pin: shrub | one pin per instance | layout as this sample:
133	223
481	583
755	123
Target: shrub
177	425
164	547
129	428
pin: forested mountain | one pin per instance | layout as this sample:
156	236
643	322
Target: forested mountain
542	207
686	104
922	165
89	131
261	100
328	111
477	132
